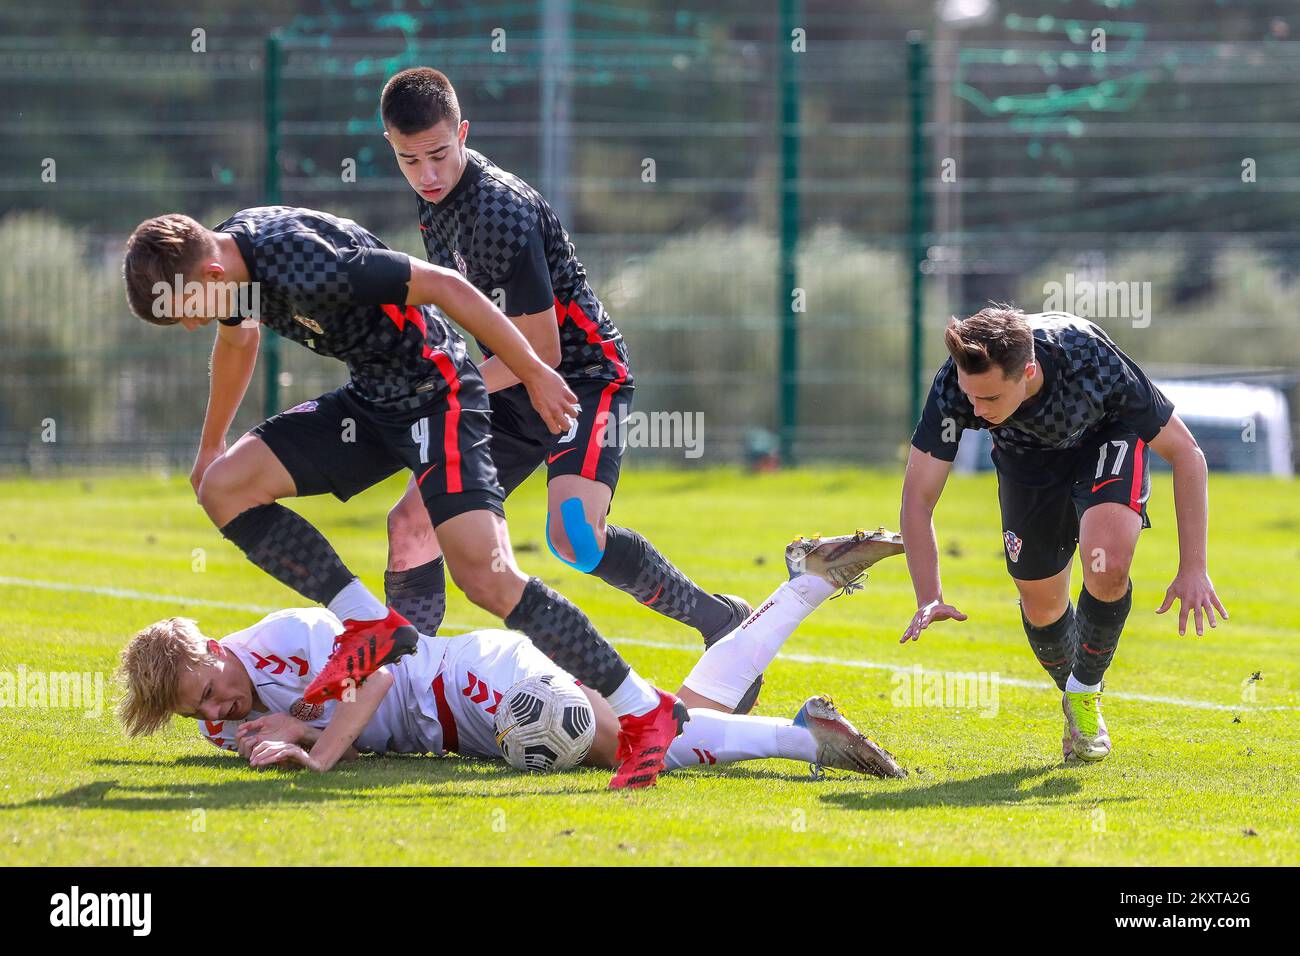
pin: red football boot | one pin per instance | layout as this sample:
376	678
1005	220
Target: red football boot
643	743
362	648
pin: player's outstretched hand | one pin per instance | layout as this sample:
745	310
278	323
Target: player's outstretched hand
204	458
1196	594
281	727
553	399
271	753
924	617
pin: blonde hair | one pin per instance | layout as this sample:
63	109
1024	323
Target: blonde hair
152	664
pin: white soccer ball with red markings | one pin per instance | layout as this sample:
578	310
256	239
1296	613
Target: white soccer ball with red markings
545	723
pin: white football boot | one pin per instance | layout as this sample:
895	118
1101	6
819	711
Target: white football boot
840	745
842	560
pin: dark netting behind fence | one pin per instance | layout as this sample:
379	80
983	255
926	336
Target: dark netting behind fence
1144	154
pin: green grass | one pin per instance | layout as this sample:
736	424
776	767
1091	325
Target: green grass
1184	786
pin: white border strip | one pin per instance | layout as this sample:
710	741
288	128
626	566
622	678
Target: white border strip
173	599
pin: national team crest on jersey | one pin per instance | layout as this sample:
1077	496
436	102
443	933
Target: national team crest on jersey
308	323
1013	544
304	407
306	712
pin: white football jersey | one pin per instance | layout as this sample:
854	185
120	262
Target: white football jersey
285	650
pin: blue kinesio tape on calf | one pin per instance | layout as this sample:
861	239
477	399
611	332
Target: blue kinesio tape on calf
582	537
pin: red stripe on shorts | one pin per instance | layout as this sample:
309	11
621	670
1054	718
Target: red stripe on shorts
1135	495
451	443
450	740
594	442
451	446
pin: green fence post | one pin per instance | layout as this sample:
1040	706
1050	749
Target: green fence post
917	87
271	191
788	396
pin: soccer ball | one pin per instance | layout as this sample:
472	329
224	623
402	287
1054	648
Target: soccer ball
545	724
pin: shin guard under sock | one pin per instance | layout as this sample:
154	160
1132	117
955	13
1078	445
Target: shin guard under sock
565	635
286	546
632	564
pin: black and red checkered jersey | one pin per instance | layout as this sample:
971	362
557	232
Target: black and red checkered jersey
1088	384
331	286
503	236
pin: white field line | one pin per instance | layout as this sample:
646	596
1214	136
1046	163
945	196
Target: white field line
174	599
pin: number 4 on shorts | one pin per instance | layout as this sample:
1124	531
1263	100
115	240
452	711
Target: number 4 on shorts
420	435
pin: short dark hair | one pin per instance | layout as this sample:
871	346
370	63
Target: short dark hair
417	99
995	336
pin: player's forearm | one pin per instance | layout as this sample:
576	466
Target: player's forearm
512	352
496	376
917	526
1192	506
311	734
475	313
231	371
350	718
542	334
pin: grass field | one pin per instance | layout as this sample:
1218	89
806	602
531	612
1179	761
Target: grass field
1202	773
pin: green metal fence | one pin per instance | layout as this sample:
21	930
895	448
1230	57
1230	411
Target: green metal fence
765	202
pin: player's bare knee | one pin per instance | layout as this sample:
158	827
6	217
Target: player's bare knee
495	590
598	527
1106	570
411	541
1041	611
226	491
1109	584
559	540
401	526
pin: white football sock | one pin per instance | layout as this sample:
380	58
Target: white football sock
730	666
1073	685
634	696
356	603
713	737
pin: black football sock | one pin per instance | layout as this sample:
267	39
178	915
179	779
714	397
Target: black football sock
419	595
1100	624
633	564
565	635
287	547
1053	645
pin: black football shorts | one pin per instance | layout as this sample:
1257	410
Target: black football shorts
341	444
1040	522
591	448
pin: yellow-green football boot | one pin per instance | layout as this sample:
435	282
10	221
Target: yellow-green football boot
1085	737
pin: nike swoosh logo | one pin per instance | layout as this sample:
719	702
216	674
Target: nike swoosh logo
552	458
1105	483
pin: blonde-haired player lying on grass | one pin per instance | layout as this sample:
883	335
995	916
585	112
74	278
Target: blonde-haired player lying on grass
246	690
